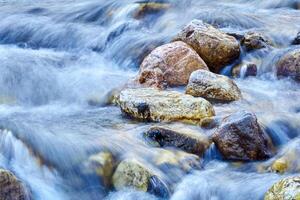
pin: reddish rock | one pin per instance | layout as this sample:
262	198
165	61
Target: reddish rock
170	65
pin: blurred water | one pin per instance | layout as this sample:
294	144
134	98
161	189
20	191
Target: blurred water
58	56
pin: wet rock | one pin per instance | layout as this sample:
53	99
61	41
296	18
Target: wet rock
102	164
132	173
10	187
285	189
206	84
179	159
244	70
254	40
215	47
170	65
195	144
287	160
240	137
289	65
151	104
146	8
296	41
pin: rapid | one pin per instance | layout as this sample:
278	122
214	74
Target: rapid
61	59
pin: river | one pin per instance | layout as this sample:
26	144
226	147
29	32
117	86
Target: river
60	59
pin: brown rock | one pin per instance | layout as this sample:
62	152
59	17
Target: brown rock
149	8
289	65
170	65
240	137
255	40
195	144
10	187
208	85
215	47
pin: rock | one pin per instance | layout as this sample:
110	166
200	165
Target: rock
287	160
280	165
241	138
254	40
151	104
170	65
10	187
132	173
289	65
244	70
149	8
285	189
215	47
102	164
191	143
296	41
179	159
208	85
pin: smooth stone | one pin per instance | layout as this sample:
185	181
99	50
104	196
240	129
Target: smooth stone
289	65
215	47
169	65
149	104
212	86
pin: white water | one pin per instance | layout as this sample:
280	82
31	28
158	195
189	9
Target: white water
57	56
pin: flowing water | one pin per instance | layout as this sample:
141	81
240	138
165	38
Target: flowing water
60	59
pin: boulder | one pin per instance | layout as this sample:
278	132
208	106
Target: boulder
208	85
169	65
254	40
241	138
190	143
285	189
244	70
102	164
289	65
134	174
10	187
215	47
151	104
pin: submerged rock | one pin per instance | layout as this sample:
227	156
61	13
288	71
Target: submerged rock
289	65
170	65
286	189
240	137
191	143
254	40
287	160
155	105
180	159
148	8
132	173
10	187
215	47
102	164
244	70
212	86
